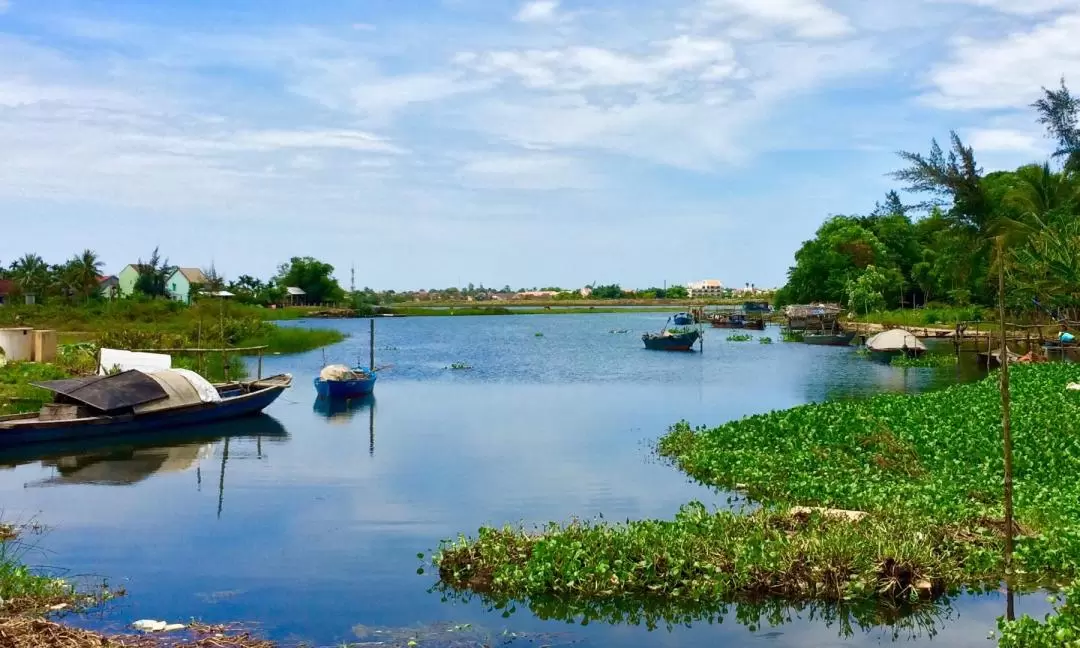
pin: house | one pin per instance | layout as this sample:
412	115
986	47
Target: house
7	288
109	286
127	279
295	296
180	283
706	288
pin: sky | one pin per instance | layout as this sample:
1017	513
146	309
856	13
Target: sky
433	143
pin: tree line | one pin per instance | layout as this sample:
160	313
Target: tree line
942	247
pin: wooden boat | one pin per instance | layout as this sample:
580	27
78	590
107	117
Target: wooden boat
341	382
887	345
671	341
683	319
729	321
133	402
839	338
754	325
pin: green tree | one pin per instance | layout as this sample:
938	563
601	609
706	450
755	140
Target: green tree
1057	110
154	276
840	250
313	277
866	293
31	274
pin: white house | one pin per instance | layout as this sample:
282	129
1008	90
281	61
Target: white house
706	288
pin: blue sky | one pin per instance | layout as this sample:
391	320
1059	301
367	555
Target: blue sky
442	142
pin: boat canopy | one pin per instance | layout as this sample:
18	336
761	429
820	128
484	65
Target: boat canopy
136	390
895	340
108	393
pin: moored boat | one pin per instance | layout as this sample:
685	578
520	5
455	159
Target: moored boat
341	382
683	319
671	340
734	320
887	345
839	338
133	402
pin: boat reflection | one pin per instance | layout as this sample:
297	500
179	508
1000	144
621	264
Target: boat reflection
340	412
123	461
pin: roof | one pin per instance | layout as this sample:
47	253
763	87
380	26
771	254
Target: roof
7	286
108	393
808	310
104	278
193	275
894	340
293	290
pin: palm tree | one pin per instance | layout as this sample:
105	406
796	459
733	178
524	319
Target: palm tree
31	274
82	272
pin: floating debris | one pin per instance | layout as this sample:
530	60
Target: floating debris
460	366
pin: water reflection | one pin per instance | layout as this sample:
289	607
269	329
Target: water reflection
342	411
897	621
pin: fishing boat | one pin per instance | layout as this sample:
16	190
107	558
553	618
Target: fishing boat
341	382
733	320
671	340
136	402
887	345
838	338
683	319
754	324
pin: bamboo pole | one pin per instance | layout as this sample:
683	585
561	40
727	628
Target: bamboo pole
1006	423
371	345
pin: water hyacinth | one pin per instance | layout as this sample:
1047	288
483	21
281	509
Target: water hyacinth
925	470
741	337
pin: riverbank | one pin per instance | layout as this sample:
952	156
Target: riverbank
900	494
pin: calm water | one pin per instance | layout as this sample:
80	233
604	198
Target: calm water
308	522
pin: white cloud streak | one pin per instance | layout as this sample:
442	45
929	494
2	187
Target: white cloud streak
538	11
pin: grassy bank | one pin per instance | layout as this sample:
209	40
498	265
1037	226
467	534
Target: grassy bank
932	316
923	472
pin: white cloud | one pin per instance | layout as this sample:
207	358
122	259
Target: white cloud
582	67
1003	140
527	171
803	18
1007	72
1019	7
538	11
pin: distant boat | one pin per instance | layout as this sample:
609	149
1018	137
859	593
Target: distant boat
734	320
889	344
341	382
671	340
134	402
991	359
829	339
683	319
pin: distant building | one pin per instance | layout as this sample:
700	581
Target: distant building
109	286
180	282
295	296
706	288
7	288
586	291
535	294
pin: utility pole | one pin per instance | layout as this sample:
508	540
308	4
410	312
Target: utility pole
1006	415
352	279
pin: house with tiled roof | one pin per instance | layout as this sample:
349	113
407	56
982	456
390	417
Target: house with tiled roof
183	283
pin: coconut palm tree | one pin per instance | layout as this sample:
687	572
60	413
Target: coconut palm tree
82	273
31	274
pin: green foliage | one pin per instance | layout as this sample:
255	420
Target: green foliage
791	336
17	394
866	292
612	291
460	366
740	337
24	590
312	276
154	276
765	340
925	360
1059	630
927	471
839	252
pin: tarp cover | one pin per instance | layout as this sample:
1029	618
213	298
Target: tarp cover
180	392
894	340
109	393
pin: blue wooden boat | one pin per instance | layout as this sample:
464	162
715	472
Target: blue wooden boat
671	340
134	403
338	382
683	319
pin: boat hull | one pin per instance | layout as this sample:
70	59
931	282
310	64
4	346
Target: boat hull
839	339
683	342
726	324
31	431
682	319
344	389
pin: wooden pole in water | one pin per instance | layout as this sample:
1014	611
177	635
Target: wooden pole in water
1006	423
260	364
371	358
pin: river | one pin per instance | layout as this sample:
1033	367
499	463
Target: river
308	522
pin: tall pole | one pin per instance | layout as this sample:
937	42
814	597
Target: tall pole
371	359
1005	415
